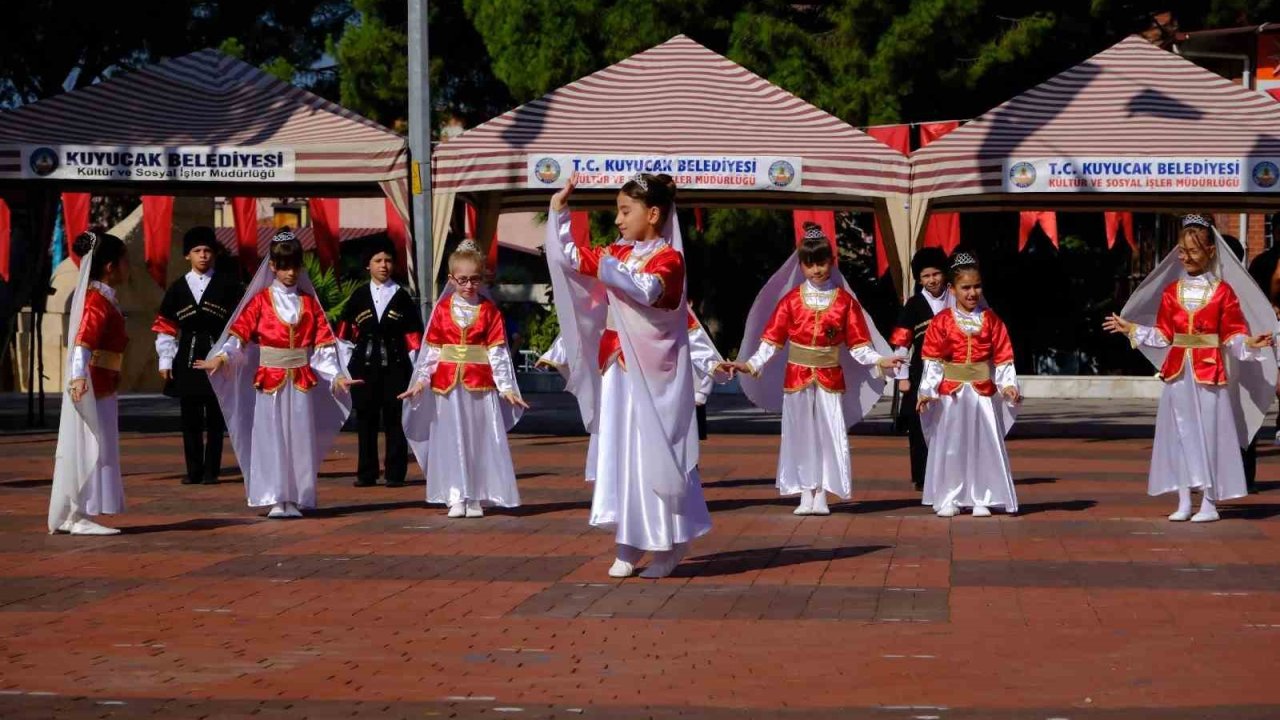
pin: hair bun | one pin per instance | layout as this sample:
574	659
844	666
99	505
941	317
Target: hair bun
84	243
669	183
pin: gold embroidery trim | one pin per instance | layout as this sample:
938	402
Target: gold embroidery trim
106	360
966	372
283	358
477	354
1196	340
814	357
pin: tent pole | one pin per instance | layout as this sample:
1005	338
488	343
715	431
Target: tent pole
420	152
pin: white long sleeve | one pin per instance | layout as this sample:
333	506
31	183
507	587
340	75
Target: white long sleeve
79	362
644	288
429	363
232	349
867	355
167	350
324	360
555	355
930	379
1006	377
504	372
560	234
763	355
1242	352
1147	335
903	371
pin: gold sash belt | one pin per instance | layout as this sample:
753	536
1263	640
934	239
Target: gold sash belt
284	358
477	354
106	359
814	357
966	372
1196	340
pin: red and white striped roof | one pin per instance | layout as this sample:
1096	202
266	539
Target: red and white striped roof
1132	99
305	234
676	98
207	98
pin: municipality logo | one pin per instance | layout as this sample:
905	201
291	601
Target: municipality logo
1022	175
781	173
44	161
547	170
1265	174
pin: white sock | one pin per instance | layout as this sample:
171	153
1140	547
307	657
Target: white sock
1206	505
1184	500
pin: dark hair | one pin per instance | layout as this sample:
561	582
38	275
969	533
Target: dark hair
106	248
1263	268
1233	243
653	190
930	257
286	254
378	246
815	247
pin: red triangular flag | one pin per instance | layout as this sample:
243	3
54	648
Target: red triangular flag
245	212
157	234
1027	221
75	218
325	225
1119	220
943	229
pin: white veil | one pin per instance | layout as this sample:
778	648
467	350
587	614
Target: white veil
1252	385
79	430
417	413
233	383
863	388
656	345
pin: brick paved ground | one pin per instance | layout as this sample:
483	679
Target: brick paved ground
1086	605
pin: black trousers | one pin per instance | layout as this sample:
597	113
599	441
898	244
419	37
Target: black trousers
919	450
377	409
202	430
702	421
1250	457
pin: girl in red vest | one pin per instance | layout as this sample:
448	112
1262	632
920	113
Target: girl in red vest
86	475
281	419
816	325
1203	322
458	431
967	391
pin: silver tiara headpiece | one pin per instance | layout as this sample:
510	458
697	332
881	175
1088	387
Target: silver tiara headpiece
639	180
467	245
963	259
1197	221
813	232
93	240
283	236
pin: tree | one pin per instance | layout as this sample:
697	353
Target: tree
47	46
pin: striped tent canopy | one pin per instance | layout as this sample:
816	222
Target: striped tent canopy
208	99
305	234
1133	100
676	98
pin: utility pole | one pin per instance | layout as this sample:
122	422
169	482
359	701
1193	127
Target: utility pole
420	153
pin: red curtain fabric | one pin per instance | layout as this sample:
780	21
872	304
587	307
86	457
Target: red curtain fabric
698	220
897	137
825	219
75	218
471	230
157	234
399	236
943	229
245	211
324	225
1027	222
5	236
1117	220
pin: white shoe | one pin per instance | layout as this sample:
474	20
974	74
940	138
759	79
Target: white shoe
981	511
1180	515
278	511
806	503
949	511
65	527
474	510
85	526
457	510
621	569
291	510
1205	516
820	504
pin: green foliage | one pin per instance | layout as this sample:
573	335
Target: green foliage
541	330
332	289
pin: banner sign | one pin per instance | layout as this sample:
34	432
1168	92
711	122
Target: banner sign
1142	174
690	172
150	162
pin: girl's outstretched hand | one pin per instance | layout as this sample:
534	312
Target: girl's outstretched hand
1260	341
210	365
1116	324
1012	395
560	200
516	400
414	391
922	403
